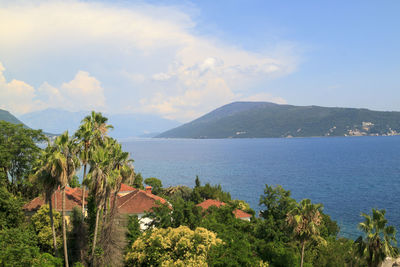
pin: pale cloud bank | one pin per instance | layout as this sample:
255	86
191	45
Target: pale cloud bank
16	96
20	97
147	57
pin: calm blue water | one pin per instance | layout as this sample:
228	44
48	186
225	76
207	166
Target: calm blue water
347	175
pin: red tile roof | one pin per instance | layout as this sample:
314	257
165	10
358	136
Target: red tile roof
138	201
212	202
73	198
126	188
241	214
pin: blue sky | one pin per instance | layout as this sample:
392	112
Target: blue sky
180	59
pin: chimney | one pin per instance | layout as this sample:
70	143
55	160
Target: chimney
148	189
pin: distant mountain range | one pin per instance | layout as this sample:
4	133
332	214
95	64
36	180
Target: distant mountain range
125	125
264	119
7	116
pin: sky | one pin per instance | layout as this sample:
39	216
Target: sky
182	59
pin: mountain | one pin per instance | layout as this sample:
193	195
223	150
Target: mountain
125	125
264	119
7	116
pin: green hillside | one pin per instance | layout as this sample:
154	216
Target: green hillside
7	116
263	119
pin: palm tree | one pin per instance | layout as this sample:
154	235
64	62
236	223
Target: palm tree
375	248
49	184
110	166
65	164
84	134
305	219
122	167
91	132
100	169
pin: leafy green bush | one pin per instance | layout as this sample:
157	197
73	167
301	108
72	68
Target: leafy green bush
18	247
42	226
11	214
172	247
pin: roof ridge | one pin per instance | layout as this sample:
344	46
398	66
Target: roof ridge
133	194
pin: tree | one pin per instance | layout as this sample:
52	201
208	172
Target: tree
238	248
74	182
112	238
380	239
138	181
122	170
172	246
18	247
176	192
277	203
100	168
91	132
78	238
155	183
133	230
11	214
209	191
63	164
305	219
197	182
179	213
48	181
18	154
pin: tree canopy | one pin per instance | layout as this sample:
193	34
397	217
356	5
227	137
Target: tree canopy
18	154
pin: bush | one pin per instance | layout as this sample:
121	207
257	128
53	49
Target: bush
11	214
172	246
18	247
42	226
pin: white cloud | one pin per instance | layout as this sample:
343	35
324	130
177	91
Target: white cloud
84	92
192	102
161	76
147	57
16	96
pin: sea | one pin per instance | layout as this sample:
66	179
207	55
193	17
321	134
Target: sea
348	175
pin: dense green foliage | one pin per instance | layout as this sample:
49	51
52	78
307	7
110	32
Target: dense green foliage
19	247
172	247
11	214
138	181
74	182
42	227
263	119
155	183
380	240
176	192
18	155
208	191
133	229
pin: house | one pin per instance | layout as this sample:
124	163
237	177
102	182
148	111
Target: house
138	202
73	198
237	212
130	201
125	189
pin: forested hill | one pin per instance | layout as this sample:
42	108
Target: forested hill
7	116
264	119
